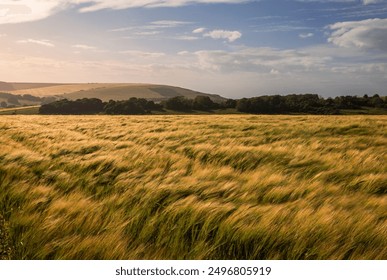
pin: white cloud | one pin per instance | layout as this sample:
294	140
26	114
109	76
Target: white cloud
28	10
124	4
199	30
367	2
121	29
231	36
84	47
146	33
152	28
12	11
168	23
186	38
46	43
365	34
306	35
142	54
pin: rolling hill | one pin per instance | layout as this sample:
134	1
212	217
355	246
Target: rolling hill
103	91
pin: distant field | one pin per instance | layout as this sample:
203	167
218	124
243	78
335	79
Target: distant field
193	187
30	110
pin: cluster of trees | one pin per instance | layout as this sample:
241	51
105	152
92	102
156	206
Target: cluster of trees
306	103
77	107
200	103
277	104
273	104
133	106
354	102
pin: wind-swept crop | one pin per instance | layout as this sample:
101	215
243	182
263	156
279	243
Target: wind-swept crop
194	187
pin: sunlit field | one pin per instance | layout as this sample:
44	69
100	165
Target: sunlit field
193	187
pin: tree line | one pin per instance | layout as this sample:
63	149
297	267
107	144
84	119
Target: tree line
86	106
269	104
132	106
307	103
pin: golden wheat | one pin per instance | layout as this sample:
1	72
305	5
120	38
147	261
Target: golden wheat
194	187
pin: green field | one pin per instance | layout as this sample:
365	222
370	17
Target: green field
193	187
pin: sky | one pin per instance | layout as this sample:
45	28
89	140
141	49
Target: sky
235	48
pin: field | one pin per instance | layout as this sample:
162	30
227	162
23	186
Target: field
193	187
27	110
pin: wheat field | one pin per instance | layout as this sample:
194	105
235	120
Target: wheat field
193	187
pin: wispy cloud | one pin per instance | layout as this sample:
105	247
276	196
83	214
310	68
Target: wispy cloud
147	33
365	2
199	30
186	38
96	5
306	35
231	36
280	27
27	10
12	11
152	28
46	43
84	47
142	54
168	23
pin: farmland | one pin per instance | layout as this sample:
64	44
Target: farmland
193	187
27	110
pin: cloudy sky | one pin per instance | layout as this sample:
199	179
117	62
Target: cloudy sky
234	48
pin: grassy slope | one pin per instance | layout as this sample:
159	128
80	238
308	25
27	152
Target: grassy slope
195	187
22	86
114	93
124	92
58	89
103	91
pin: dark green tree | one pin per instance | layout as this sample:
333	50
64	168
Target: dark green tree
178	103
203	103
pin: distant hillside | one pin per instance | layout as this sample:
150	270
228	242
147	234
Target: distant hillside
103	91
4	87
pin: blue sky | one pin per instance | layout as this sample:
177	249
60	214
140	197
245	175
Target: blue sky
236	48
